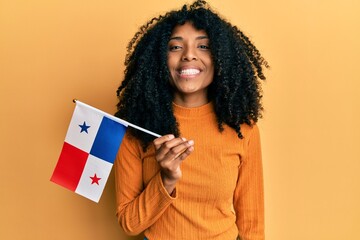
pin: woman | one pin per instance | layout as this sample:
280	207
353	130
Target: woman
193	78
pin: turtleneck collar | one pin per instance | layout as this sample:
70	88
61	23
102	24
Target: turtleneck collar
193	112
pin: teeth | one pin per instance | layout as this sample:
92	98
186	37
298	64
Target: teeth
189	71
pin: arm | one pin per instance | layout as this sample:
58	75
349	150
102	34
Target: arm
137	208
249	193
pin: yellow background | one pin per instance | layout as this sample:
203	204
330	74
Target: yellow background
54	51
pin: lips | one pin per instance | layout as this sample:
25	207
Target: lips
188	72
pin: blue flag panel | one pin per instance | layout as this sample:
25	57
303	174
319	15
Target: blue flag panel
108	139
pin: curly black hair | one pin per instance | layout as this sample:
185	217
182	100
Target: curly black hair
145	95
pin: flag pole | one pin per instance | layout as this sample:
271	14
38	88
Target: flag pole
116	119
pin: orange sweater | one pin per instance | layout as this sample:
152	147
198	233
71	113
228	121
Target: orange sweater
219	196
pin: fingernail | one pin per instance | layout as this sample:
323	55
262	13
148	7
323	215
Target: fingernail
191	142
171	136
184	139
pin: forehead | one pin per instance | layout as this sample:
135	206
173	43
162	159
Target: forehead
187	29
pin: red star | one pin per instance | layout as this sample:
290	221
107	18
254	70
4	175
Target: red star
95	179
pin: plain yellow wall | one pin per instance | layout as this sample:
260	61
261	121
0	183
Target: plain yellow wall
54	51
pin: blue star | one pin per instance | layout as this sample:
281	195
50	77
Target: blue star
84	127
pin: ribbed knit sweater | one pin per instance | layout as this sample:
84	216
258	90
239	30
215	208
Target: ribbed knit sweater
220	194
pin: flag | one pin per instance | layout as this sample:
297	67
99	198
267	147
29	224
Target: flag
89	150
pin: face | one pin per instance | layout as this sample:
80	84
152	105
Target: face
190	64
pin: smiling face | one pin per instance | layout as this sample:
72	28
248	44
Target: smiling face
190	64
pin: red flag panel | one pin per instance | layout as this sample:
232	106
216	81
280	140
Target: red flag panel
70	166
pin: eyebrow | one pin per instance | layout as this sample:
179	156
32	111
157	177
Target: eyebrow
180	38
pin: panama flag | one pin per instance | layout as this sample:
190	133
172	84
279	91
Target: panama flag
91	144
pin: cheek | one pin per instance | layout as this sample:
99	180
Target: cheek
171	60
208	61
168	64
170	71
171	68
211	67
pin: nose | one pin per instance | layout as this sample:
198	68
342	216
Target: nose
189	54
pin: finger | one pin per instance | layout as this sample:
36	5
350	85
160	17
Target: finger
174	162
183	149
185	154
159	141
167	147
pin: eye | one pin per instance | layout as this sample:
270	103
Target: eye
174	48
205	47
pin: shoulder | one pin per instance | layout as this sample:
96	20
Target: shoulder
249	131
130	144
251	135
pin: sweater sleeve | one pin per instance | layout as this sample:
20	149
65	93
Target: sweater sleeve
138	207
249	193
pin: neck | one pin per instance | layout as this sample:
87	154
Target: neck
190	101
